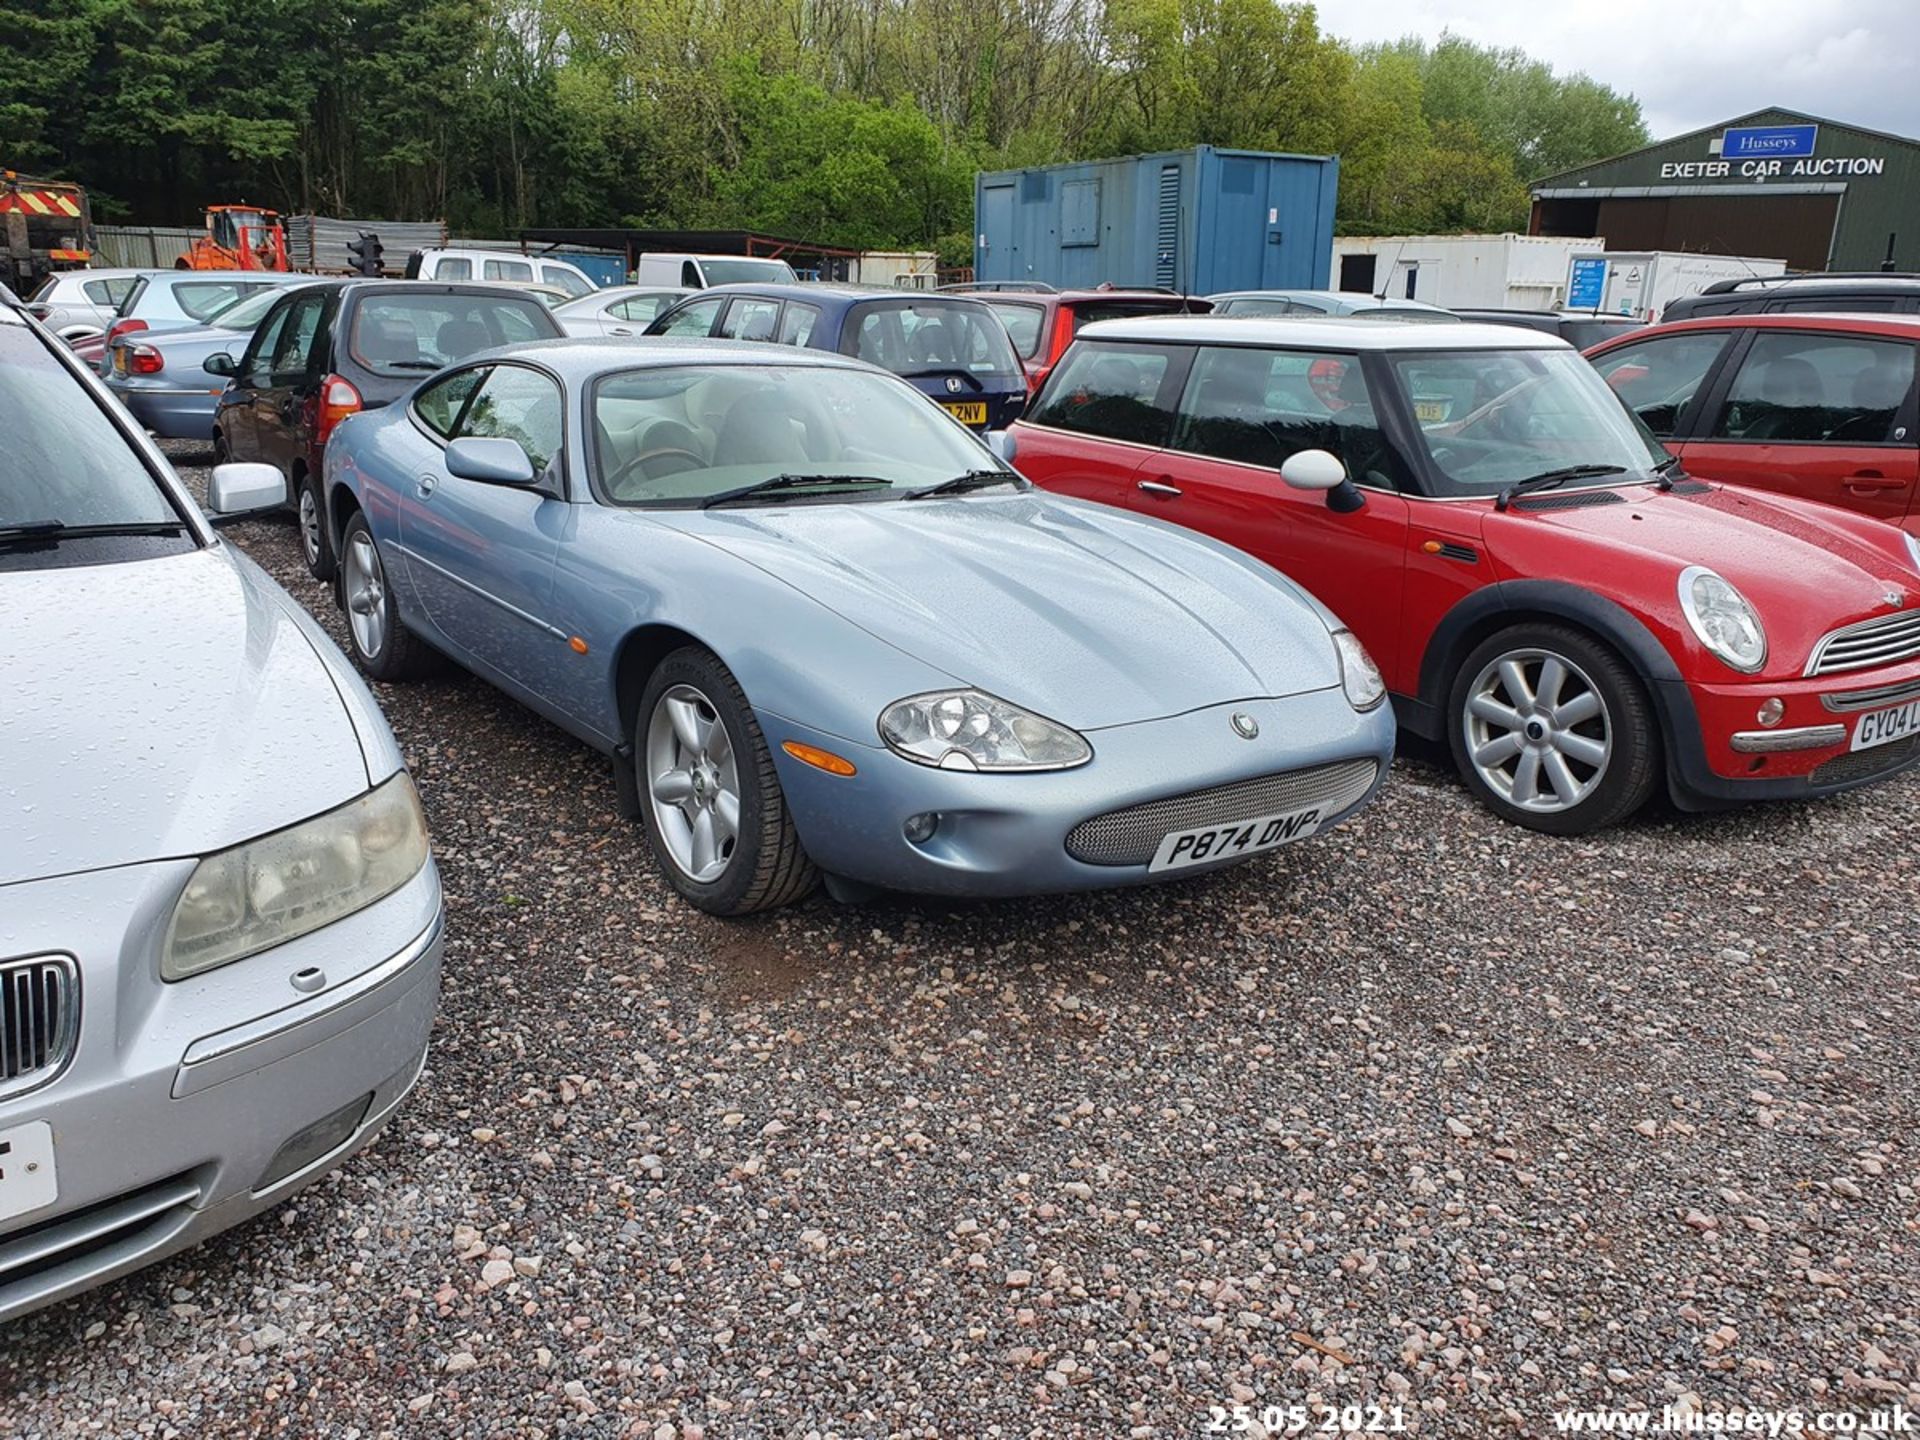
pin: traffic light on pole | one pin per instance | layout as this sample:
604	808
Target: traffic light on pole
366	254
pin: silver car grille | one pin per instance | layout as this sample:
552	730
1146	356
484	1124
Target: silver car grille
1130	836
1886	640
39	1020
1850	700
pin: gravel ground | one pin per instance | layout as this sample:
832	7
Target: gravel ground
1434	1113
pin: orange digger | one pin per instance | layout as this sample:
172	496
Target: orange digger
239	237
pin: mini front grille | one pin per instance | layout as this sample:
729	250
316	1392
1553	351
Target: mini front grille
1866	764
1883	641
1129	837
1572	500
39	1020
1848	701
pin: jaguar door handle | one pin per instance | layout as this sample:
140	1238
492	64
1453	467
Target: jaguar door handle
1161	488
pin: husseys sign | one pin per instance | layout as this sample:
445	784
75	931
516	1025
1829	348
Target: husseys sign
1768	152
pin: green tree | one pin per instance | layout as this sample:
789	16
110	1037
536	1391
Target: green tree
47	50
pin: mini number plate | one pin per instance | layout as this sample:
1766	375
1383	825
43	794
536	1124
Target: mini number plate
26	1169
1883	727
1213	843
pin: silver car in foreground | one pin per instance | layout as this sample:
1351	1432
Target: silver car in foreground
220	926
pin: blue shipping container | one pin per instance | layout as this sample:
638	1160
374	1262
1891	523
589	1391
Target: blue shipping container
601	267
1197	221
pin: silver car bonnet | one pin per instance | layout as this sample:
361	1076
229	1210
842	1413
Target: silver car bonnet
1084	614
159	708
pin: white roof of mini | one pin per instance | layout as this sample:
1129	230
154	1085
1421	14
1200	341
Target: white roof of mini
1332	332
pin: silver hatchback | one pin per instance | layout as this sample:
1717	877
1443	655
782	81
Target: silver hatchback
220	925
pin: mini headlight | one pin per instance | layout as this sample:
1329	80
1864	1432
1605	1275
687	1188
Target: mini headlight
1722	619
971	730
1913	548
1360	678
270	890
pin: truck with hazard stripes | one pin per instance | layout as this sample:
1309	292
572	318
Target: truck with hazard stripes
44	226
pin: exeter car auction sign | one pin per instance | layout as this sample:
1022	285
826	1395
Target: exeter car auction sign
1766	152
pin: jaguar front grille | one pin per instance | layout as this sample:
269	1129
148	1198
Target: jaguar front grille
1130	836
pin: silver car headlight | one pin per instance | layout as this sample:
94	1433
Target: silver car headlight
971	730
270	890
1360	678
1913	548
1725	623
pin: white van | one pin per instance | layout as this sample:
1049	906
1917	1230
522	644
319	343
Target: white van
697	272
454	264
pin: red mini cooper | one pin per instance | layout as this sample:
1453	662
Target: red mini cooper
1541	585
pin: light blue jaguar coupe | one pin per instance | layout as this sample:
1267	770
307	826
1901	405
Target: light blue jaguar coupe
823	631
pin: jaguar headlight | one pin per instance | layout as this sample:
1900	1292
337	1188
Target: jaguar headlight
1722	619
270	890
971	730
1360	678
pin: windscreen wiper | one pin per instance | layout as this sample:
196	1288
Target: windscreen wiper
416	364
1669	471
970	480
52	531
1547	479
31	529
772	488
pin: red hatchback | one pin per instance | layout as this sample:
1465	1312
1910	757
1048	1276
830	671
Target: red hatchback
1816	406
1042	324
1542	587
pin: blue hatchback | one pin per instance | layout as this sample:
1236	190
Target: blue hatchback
952	349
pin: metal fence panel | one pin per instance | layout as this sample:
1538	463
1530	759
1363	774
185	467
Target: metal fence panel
142	247
318	243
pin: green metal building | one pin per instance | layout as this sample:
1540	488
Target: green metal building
1815	193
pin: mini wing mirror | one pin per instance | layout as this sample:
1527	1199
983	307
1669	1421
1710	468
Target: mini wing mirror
1313	470
492	459
243	488
1322	470
220	363
1001	443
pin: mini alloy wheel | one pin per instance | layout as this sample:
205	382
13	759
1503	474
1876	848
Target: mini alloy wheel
1537	730
1553	729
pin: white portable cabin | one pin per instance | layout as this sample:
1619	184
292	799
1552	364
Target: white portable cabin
1461	272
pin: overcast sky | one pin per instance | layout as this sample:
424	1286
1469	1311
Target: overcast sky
1692	64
